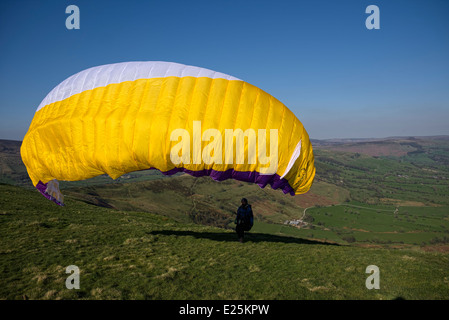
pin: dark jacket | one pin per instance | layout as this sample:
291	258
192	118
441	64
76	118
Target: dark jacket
245	216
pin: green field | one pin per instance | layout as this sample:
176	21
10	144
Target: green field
420	176
139	255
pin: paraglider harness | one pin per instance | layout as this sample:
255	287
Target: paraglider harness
245	217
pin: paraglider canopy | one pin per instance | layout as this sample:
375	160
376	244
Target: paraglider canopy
131	116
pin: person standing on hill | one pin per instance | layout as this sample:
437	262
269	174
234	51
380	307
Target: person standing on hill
244	219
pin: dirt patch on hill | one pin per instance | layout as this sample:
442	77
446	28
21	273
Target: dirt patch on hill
310	199
402	203
374	149
265	207
353	229
437	248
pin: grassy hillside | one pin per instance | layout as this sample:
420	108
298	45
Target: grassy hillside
200	200
139	255
148	236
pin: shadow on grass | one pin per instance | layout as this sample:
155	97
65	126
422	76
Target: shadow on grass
232	237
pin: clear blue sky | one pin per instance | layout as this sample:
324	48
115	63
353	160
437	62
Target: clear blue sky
339	78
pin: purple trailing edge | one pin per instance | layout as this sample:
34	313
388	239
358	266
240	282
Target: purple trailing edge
42	187
248	176
261	180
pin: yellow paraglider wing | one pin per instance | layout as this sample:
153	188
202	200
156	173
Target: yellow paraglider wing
131	116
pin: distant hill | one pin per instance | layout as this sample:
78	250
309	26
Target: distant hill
12	169
392	146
